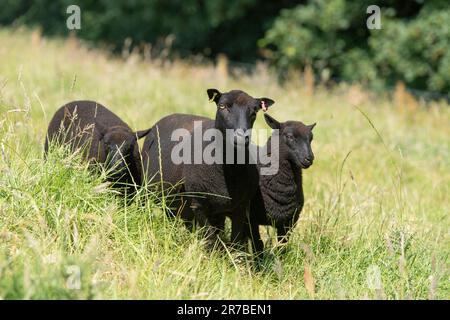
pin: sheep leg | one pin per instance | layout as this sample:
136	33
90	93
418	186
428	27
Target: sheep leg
282	234
255	238
239	226
212	234
211	225
186	213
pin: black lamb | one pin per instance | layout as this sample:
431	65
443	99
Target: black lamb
279	198
103	137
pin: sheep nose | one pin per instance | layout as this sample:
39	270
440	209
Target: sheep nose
242	136
309	159
240	133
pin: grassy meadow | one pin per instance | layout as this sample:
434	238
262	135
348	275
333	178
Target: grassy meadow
375	222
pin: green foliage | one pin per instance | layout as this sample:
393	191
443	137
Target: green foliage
416	51
189	27
309	34
332	37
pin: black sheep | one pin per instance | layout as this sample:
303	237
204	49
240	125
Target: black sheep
215	190
104	138
279	198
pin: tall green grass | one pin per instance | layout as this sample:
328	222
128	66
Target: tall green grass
375	222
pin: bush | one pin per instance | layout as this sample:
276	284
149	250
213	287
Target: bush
415	52
332	37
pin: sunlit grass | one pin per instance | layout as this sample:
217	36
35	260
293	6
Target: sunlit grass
376	197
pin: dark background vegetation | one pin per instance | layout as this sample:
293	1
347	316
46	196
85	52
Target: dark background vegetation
329	35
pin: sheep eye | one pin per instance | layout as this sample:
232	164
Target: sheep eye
222	106
290	137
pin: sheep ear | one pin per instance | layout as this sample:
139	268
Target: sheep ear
265	103
311	126
67	114
140	134
213	95
274	124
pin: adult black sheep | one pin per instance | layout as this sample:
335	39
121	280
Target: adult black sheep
216	190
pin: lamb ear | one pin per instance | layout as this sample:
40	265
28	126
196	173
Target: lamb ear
311	126
142	133
67	114
214	95
265	103
274	124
